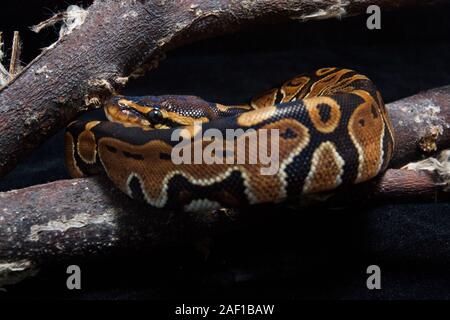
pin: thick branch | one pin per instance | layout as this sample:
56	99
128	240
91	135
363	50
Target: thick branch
86	218
116	41
421	124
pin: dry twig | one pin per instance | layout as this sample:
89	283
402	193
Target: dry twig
14	64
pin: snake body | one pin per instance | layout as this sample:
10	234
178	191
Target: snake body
333	131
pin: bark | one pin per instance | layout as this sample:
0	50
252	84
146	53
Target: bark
395	186
118	40
89	218
86	218
421	124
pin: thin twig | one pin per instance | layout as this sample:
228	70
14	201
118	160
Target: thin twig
49	22
14	65
1	46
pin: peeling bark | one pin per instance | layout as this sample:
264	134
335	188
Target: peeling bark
85	218
421	124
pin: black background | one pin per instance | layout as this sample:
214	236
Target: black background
287	254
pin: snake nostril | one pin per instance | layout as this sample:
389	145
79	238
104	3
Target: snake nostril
362	122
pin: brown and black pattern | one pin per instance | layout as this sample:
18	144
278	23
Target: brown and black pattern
333	130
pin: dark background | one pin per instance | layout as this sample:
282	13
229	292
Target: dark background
288	254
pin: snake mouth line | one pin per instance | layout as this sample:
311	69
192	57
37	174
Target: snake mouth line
149	117
126	116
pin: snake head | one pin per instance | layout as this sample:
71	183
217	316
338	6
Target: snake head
158	112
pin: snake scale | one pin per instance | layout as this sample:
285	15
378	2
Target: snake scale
333	131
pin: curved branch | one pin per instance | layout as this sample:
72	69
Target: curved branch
421	124
86	218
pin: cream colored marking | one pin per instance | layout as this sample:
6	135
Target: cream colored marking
161	200
90	160
133	105
224	108
335	113
251	118
286	162
265	100
141	183
360	155
361	159
91	124
383	132
108	114
161	126
246	176
72	166
131	121
322	71
324	147
333	83
290	94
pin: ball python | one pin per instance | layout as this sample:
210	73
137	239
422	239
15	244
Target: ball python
333	128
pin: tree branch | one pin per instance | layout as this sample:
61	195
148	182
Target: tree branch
421	124
85	218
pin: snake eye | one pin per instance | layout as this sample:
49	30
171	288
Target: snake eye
155	116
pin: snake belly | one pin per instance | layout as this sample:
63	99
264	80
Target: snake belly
333	131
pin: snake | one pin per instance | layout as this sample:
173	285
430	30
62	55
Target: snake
329	128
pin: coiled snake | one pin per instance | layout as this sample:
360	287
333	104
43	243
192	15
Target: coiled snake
332	128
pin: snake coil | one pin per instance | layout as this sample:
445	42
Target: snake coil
333	131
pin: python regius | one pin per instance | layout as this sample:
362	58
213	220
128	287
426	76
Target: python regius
333	131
